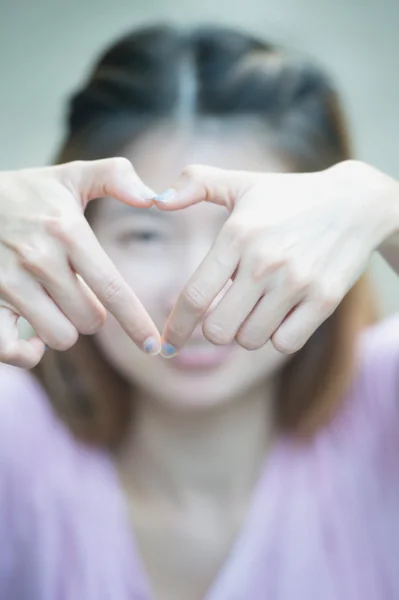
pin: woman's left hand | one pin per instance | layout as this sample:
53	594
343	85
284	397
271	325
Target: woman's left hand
294	245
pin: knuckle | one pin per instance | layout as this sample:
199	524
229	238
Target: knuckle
8	355
216	334
62	227
112	289
264	262
119	165
195	176
35	256
260	257
298	281
249	340
194	298
192	172
328	298
96	322
66	340
9	284
177	332
237	233
285	343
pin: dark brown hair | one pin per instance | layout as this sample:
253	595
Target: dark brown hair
161	73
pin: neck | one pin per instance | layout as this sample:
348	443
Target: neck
174	455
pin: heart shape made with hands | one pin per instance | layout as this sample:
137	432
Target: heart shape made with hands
291	260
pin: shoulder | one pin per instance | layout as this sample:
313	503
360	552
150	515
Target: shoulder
368	423
377	376
37	449
380	343
35	445
26	415
26	437
45	478
20	394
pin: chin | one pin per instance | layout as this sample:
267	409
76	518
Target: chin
187	389
199	395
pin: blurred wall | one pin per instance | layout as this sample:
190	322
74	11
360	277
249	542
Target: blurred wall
47	46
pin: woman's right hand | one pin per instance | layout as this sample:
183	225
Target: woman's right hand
53	271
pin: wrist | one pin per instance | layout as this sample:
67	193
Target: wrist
376	194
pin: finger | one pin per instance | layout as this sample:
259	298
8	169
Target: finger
100	274
222	324
75	299
51	268
34	304
14	351
203	287
299	326
113	177
198	183
264	319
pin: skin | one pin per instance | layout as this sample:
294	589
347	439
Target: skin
294	257
200	434
53	272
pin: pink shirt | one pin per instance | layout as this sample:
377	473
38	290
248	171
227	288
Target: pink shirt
323	525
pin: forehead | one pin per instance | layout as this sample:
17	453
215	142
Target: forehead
161	153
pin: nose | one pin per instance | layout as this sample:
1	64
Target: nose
189	261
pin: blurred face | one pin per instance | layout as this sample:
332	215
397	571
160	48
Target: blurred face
157	252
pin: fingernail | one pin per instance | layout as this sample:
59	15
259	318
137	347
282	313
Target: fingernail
167	350
166	196
152	346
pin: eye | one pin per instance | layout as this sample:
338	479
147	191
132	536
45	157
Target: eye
146	236
142	236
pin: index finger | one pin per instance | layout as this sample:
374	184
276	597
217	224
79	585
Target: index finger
197	296
98	271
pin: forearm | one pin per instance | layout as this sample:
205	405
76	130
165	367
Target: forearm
389	199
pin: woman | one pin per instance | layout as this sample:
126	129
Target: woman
221	473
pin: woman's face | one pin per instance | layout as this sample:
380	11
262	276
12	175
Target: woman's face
156	252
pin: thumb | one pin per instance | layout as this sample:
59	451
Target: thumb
113	177
198	183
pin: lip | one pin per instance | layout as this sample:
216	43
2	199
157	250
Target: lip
201	357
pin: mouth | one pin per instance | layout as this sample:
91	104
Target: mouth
201	357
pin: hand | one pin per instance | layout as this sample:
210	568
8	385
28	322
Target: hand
294	245
53	271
